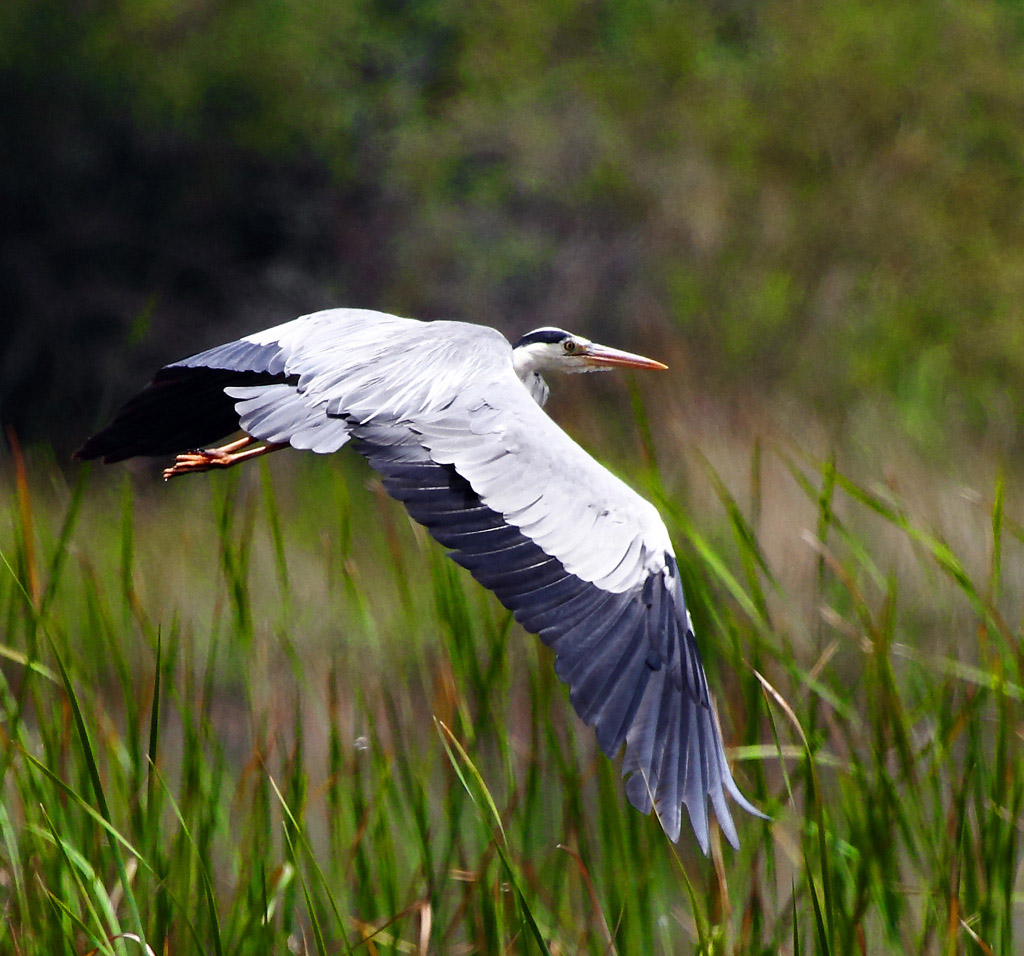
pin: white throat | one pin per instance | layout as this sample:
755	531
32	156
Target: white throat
525	362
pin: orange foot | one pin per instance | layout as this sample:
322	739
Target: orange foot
206	459
198	460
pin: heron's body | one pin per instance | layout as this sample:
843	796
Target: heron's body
450	415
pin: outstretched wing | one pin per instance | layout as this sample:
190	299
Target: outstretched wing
581	560
628	654
573	552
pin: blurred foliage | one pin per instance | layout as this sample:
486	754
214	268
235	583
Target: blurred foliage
819	200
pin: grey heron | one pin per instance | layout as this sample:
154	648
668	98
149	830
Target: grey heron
450	415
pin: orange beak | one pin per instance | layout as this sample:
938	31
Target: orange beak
604	357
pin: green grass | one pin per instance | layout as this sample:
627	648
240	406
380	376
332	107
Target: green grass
261	713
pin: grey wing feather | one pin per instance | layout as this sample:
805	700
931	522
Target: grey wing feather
342	364
629	657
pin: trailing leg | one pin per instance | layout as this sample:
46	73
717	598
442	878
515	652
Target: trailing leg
206	459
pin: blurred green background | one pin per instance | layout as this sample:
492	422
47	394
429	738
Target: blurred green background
802	204
811	210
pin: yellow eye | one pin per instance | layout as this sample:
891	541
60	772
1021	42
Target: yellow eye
569	345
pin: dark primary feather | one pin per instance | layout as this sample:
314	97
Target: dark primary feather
629	658
185	405
181	408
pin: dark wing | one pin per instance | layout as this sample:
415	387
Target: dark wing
628	656
181	408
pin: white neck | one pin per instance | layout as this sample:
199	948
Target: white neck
527	361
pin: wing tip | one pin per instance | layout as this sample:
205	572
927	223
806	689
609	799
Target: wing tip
95	447
670	815
701	778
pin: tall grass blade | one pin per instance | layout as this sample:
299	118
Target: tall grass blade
460	761
75	865
112	833
276	535
94	774
204	876
62	545
826	939
152	751
300	835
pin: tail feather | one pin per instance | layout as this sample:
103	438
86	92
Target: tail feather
181	408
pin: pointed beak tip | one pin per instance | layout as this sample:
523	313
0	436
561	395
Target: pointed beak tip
650	365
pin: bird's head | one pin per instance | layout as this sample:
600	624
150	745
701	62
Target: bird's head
555	350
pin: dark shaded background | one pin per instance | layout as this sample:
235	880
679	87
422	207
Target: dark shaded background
819	204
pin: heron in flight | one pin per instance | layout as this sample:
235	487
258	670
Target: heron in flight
450	415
